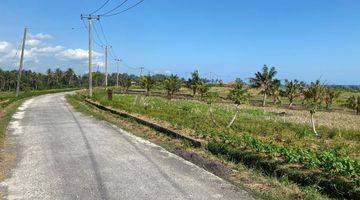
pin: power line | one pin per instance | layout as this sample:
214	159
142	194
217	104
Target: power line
114	8
86	28
106	2
112	51
17	51
122	11
97	34
103	33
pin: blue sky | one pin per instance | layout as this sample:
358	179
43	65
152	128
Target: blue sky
231	38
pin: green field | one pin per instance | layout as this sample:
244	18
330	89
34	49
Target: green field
260	140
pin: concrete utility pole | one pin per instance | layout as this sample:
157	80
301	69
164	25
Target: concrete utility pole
141	71
106	64
117	71
21	63
90	18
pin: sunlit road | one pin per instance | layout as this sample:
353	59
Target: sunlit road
63	154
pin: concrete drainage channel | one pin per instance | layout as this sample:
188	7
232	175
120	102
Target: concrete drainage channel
214	167
157	127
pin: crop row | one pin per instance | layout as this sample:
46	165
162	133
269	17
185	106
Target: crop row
336	175
329	161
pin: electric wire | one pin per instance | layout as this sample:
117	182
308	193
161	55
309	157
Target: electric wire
17	51
103	33
97	35
122	11
86	28
106	2
114	8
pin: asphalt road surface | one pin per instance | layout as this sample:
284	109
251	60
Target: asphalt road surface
63	154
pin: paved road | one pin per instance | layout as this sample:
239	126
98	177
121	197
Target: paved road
63	154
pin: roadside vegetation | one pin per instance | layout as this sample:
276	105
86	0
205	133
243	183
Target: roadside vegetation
283	130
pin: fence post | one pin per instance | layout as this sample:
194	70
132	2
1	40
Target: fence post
110	94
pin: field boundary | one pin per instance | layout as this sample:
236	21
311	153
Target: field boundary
157	127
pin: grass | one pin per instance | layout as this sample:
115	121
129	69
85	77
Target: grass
256	182
192	115
258	141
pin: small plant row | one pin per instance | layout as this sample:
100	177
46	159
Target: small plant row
339	177
329	161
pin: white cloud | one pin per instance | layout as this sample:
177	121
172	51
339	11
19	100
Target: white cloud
40	55
5	47
99	63
33	42
40	36
73	54
79	54
50	49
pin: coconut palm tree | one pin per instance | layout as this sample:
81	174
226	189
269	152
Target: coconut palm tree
329	96
313	97
353	103
275	91
239	96
203	88
211	98
194	82
264	80
172	84
69	76
125	82
147	82
292	90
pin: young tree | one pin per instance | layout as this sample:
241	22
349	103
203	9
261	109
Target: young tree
194	82
211	98
239	81
302	92
275	91
125	83
58	76
313	97
314	92
172	84
353	103
292	90
329	96
203	88
70	76
264	80
239	96
147	82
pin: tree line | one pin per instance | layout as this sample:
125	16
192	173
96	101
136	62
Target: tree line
55	79
315	94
